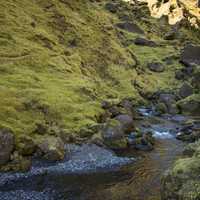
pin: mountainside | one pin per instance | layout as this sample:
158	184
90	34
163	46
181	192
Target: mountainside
60	59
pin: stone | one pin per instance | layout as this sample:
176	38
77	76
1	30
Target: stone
111	7
185	90
196	81
144	42
52	148
190	106
130	27
113	135
156	66
7	144
26	146
126	122
190	55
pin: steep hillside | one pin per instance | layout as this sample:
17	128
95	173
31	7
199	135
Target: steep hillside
60	59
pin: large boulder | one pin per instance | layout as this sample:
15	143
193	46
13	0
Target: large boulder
190	55
7	142
52	148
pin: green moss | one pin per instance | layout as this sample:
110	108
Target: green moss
59	60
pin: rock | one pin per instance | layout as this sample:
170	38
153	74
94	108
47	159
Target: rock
113	135
126	122
7	144
97	139
41	129
185	90
180	75
144	42
182	180
111	7
190	106
130	27
52	148
169	101
156	67
196	81
115	111
141	141
171	35
17	163
190	55
161	108
26	146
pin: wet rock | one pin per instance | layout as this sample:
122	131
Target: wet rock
180	75
141	141
52	148
190	55
185	90
26	146
7	142
145	42
156	67
130	27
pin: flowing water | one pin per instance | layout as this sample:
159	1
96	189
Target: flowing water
97	174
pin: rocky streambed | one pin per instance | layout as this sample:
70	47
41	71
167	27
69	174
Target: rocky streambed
95	172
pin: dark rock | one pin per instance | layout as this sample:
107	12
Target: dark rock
111	7
156	67
106	104
171	35
130	27
190	55
7	142
180	75
145	42
126	122
185	90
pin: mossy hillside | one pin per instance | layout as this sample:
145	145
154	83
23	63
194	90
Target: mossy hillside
54	61
60	59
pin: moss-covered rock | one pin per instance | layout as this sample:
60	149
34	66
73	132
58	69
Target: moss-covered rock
182	181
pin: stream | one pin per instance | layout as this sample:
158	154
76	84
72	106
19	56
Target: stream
95	173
